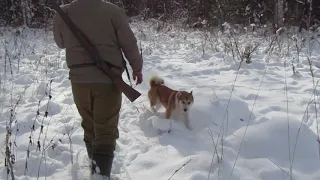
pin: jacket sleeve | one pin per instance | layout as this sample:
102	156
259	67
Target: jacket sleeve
127	41
57	31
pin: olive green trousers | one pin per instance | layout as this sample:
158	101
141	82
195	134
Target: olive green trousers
99	106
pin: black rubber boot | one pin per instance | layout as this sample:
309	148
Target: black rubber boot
90	155
103	164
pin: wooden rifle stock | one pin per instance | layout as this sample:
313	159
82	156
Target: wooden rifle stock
104	66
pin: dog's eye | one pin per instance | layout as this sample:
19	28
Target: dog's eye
188	102
183	102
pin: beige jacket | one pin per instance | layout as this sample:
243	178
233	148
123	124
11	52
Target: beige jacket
107	26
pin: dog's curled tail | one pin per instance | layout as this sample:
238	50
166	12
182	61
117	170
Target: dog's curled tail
156	80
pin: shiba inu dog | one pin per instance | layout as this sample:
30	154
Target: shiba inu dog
172	100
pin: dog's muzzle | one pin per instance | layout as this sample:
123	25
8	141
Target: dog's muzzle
185	110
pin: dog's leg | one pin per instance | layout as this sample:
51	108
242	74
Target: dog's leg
152	105
152	101
153	109
171	106
186	120
168	112
157	107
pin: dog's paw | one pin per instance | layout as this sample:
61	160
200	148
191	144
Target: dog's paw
153	110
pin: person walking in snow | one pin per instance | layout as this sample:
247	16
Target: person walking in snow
98	100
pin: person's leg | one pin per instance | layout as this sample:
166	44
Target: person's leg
82	96
107	100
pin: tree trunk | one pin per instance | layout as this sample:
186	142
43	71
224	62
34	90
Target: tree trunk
278	14
24	8
150	6
206	7
309	15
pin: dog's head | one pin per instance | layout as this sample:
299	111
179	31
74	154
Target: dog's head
185	100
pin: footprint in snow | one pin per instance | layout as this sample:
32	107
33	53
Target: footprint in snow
24	80
68	101
52	108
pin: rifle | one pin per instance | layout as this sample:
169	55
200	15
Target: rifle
104	66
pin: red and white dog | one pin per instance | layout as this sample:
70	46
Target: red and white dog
172	100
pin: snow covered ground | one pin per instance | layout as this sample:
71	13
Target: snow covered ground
258	121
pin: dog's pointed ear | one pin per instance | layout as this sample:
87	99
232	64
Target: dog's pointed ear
191	91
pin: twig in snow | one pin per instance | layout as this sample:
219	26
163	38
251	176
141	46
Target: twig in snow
249	120
5	58
222	139
9	156
69	132
41	130
215	152
32	128
45	115
315	102
180	168
280	168
287	100
225	113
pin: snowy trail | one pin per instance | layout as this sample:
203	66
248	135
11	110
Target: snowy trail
145	150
